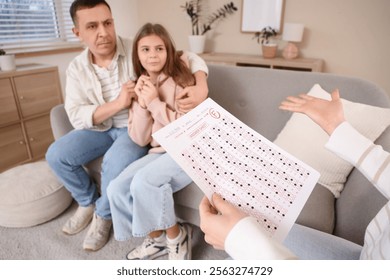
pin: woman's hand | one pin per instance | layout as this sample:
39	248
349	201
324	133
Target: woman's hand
327	114
217	221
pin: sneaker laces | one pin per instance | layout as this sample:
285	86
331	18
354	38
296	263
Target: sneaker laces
174	247
148	241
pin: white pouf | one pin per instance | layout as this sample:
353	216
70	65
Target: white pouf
30	194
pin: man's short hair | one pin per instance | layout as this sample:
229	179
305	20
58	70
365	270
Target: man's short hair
84	4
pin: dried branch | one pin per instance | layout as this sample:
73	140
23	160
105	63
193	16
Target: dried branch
194	10
222	13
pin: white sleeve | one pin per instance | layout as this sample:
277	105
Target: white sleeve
196	63
79	109
248	241
371	160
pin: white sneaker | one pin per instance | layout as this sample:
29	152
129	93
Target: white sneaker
183	248
80	220
148	250
98	234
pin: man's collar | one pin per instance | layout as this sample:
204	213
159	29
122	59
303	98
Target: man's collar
119	47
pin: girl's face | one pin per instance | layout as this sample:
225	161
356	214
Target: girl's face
152	54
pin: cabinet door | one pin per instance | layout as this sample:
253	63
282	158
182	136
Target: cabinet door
37	93
39	135
13	148
8	110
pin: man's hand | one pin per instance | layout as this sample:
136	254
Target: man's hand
218	220
109	109
126	95
192	96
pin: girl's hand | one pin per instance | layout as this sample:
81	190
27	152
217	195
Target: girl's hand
146	91
138	93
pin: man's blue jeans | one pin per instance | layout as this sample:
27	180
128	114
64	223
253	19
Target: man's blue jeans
67	155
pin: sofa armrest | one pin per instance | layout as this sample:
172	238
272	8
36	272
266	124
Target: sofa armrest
59	121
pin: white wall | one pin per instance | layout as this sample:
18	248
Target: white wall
352	36
125	14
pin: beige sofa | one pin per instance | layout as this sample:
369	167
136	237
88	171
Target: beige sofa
253	95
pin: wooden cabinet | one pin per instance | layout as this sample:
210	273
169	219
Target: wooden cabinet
8	112
13	146
298	64
26	98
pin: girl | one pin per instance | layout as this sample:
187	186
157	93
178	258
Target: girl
141	197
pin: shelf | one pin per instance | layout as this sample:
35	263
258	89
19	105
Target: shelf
297	64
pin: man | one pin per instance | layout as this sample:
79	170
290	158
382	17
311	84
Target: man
99	92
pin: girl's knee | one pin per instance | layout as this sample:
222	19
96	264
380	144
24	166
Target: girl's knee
138	185
113	190
110	192
145	184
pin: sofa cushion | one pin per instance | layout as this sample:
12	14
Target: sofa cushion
319	210
306	140
360	201
30	194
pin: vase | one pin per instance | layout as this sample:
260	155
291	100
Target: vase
290	51
197	43
269	51
7	62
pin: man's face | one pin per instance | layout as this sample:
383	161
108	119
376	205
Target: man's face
95	28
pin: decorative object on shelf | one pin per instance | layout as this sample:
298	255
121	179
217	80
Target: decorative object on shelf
7	61
197	43
293	33
268	44
201	24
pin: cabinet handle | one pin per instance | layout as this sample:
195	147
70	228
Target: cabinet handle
21	142
22	98
32	139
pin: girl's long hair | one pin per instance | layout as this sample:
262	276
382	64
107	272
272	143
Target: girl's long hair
174	67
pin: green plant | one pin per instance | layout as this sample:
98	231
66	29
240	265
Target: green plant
263	36
194	10
2	52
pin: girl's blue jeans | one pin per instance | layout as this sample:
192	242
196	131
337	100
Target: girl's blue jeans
141	197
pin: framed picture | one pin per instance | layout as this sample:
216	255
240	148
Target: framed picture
257	14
